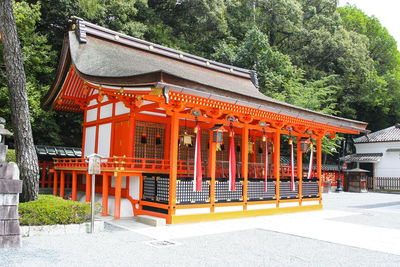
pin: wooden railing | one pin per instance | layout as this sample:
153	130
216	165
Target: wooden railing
386	183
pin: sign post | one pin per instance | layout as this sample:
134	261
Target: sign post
93	169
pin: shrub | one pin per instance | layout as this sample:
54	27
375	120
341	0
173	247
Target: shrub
50	210
10	155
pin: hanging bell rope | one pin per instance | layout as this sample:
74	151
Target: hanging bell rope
266	161
292	184
198	175
232	161
310	166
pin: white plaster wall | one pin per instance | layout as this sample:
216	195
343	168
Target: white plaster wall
91	114
134	187
310	203
90	140
120	108
288	204
123	183
126	206
106	111
92	102
389	165
104	144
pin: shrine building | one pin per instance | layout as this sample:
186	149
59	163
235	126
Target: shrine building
182	137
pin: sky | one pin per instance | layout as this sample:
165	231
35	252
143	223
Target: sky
387	11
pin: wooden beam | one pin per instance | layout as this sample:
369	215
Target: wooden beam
74	185
117	207
88	182
105	195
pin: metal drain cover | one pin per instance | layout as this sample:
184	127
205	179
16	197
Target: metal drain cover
161	243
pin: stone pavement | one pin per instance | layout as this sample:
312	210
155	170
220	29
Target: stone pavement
339	235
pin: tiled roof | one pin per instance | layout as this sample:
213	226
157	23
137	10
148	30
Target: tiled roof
385	135
363	157
60	152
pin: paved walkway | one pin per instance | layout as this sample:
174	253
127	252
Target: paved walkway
352	230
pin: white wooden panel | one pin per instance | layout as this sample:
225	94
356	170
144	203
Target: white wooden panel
90	140
103	146
228	209
288	204
121	109
106	111
92	102
192	211
310	203
261	206
134	187
91	114
123	182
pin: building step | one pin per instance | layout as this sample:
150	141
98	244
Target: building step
151	220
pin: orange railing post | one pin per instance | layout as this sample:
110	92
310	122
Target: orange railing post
55	189
74	185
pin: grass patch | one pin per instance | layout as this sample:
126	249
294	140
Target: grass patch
50	210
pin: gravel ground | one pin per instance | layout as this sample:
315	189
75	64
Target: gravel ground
250	247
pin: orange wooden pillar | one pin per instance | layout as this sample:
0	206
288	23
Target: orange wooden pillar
62	184
277	163
131	142
118	182
212	167
173	164
88	182
55	185
105	195
300	168
319	166
245	162
74	185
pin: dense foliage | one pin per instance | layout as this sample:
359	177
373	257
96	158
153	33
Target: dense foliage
50	210
310	53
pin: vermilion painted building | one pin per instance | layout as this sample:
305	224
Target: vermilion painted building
141	104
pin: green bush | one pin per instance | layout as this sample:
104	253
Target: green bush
50	210
10	155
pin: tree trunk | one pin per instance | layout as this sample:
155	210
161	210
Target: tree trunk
25	150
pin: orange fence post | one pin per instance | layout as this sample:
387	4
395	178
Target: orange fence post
105	195
277	168
319	166
88	182
118	181
43	165
55	189
62	184
74	185
245	162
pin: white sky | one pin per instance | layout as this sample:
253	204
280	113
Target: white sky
387	11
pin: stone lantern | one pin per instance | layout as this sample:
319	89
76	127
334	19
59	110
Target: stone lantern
10	187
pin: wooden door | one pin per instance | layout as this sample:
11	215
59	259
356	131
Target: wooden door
121	138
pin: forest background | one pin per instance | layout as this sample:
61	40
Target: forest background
310	53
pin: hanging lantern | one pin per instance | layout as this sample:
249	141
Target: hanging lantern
304	144
218	147
143	138
251	151
290	141
264	138
187	139
238	149
158	139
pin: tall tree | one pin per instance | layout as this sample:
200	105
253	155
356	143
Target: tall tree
25	150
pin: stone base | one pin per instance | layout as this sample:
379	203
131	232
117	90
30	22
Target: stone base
10	241
151	220
60	229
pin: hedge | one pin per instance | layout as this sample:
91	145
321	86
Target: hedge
50	210
10	155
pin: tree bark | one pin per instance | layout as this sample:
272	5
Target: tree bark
25	150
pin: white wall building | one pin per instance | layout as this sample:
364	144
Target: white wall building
379	152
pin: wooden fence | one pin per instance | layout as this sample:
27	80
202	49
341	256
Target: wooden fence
386	183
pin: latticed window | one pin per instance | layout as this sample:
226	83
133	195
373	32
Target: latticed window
149	140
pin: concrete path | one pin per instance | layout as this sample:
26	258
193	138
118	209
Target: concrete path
339	235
